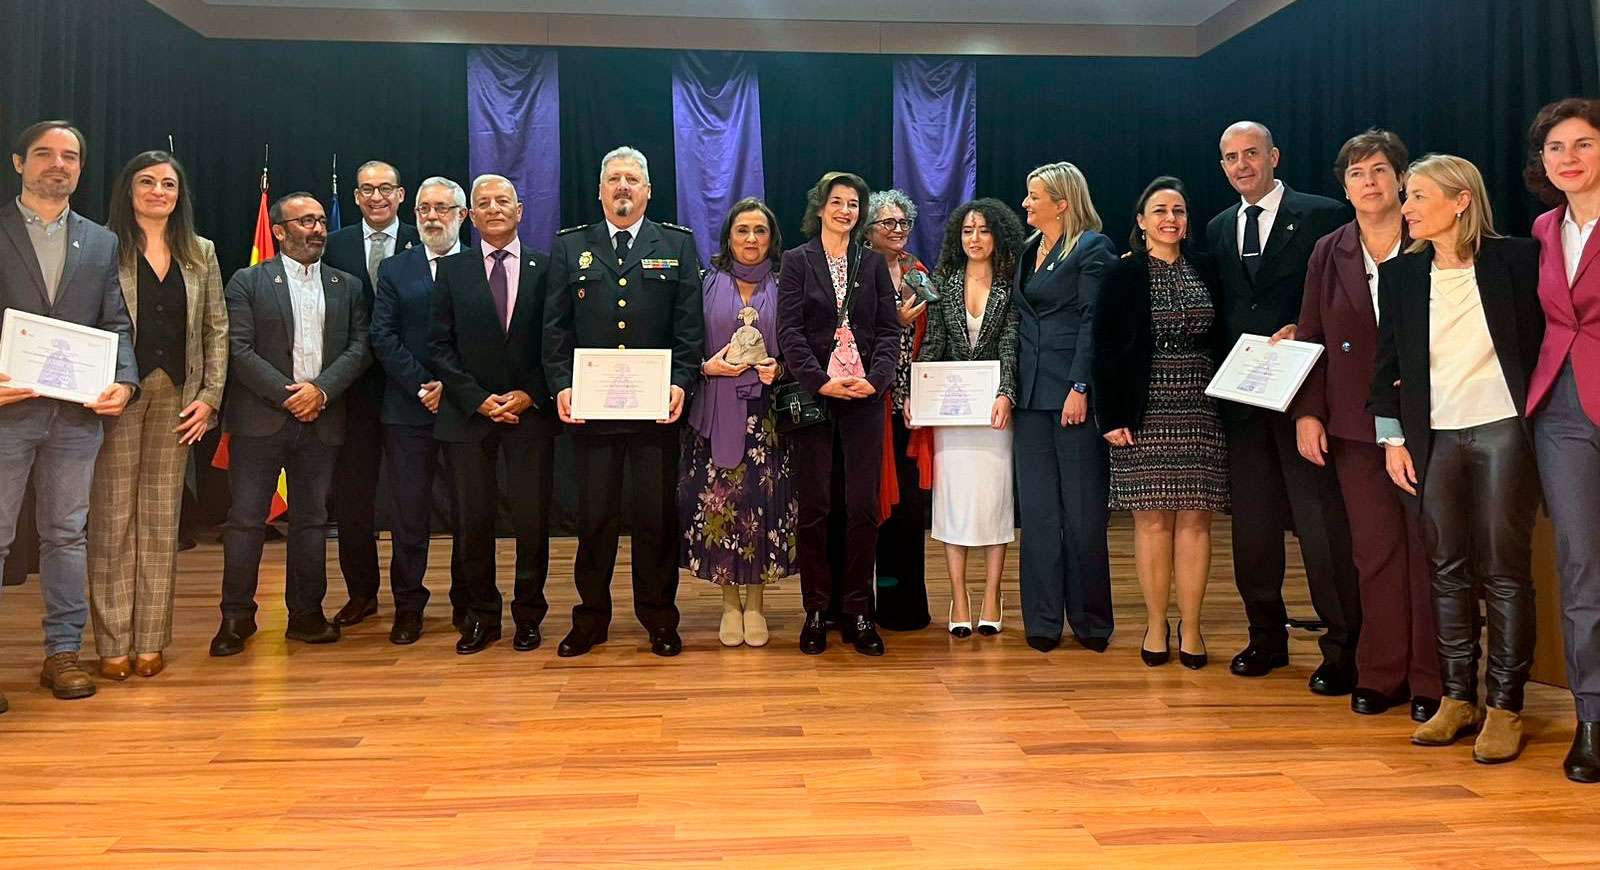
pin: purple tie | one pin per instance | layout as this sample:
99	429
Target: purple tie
497	287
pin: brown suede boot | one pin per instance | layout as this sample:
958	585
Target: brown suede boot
65	678
1501	738
1454	719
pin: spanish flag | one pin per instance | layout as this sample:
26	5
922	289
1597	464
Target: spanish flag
261	249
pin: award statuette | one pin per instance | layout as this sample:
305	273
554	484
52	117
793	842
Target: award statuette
953	393
621	384
921	287
57	358
747	347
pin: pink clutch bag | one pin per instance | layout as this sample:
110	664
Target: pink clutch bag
845	361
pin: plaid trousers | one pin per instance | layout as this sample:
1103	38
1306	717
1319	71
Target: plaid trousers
133	523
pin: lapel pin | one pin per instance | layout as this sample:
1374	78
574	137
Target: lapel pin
334	279
1291	228
76	243
408	246
531	263
277	279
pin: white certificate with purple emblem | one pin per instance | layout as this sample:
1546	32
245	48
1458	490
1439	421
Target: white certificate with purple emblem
57	358
1262	374
953	393
621	384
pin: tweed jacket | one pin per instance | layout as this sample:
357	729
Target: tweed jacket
947	339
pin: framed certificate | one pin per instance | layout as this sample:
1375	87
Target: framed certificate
953	393
621	384
1263	375
55	358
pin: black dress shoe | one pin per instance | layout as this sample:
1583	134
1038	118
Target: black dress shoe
863	635
814	634
1258	661
311	628
355	610
1043	644
231	636
1330	680
1423	708
1093	644
1192	661
665	642
527	638
1371	702
407	627
1157	658
1582	763
577	642
476	637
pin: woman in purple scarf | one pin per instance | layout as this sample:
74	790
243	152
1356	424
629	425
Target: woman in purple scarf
734	498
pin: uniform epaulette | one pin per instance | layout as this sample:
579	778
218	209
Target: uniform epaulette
573	229
679	227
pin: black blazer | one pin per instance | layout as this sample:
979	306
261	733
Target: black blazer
1124	339
1508	282
474	357
402	320
346	251
808	316
261	329
1055	319
1273	299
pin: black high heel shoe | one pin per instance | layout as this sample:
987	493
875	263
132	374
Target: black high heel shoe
1192	661
1152	658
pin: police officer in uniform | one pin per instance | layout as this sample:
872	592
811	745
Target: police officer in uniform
625	282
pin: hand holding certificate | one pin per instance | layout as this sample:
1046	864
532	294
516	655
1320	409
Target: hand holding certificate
1258	372
621	384
57	358
953	393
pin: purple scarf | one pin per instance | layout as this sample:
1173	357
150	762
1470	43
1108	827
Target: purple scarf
721	407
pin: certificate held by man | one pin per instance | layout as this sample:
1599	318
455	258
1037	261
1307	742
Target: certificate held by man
621	384
1266	375
953	393
57	358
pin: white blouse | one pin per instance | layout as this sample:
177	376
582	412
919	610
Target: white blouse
1468	387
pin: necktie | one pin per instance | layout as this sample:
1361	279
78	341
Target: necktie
1251	252
621	239
375	254
498	288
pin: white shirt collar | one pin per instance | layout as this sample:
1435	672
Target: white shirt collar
454	249
392	230
300	271
633	231
1268	203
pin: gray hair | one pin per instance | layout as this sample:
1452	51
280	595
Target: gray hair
491	178
456	193
897	198
625	152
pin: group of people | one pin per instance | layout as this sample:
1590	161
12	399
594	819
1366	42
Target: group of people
1462	369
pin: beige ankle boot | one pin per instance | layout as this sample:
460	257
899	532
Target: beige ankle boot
731	633
755	623
1501	738
1454	719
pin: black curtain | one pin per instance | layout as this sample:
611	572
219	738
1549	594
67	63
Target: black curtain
613	97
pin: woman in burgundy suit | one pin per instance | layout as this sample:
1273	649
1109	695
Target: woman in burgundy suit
1396	656
1564	395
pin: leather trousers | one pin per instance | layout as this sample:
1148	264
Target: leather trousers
1479	495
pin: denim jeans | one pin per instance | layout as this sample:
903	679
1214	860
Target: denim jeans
56	443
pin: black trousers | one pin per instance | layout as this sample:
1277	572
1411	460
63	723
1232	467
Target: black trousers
652	455
1271	483
528	450
1479	496
412	459
355	493
1063	489
902	603
847	446
253	466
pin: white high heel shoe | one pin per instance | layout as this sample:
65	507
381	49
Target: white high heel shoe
990	629
958	629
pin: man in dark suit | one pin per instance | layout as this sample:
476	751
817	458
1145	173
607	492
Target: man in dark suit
402	317
297	342
625	282
488	321
1262	245
358	249
58	264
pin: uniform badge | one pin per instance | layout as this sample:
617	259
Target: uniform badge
585	260
580	292
659	264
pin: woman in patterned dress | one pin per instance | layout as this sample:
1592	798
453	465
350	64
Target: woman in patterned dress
734	498
1157	344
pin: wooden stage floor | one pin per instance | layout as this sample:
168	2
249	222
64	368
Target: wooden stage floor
944	753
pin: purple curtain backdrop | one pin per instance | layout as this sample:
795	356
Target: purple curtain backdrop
514	129
935	142
716	115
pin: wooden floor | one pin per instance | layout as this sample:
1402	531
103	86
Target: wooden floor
944	753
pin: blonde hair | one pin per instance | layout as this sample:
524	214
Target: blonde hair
1456	175
1063	182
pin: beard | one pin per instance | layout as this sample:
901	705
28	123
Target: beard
438	236
50	188
305	250
623	207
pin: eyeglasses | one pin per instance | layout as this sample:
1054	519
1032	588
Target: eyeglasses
384	190
308	222
893	224
426	209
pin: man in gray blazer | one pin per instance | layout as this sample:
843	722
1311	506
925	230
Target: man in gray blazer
57	263
297	340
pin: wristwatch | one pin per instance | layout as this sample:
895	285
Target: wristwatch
1080	387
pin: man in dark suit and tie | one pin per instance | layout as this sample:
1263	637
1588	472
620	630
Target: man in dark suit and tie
402	319
625	282
358	249
1262	245
297	342
488	318
56	263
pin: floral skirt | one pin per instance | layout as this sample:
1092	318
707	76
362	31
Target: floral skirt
738	523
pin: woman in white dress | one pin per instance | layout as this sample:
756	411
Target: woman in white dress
972	480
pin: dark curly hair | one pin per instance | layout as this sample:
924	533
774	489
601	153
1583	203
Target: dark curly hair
1004	226
723	259
817	197
1547	119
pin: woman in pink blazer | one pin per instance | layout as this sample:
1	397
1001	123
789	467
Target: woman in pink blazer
1564	394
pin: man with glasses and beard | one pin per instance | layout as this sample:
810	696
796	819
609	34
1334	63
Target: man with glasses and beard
401	318
297	340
